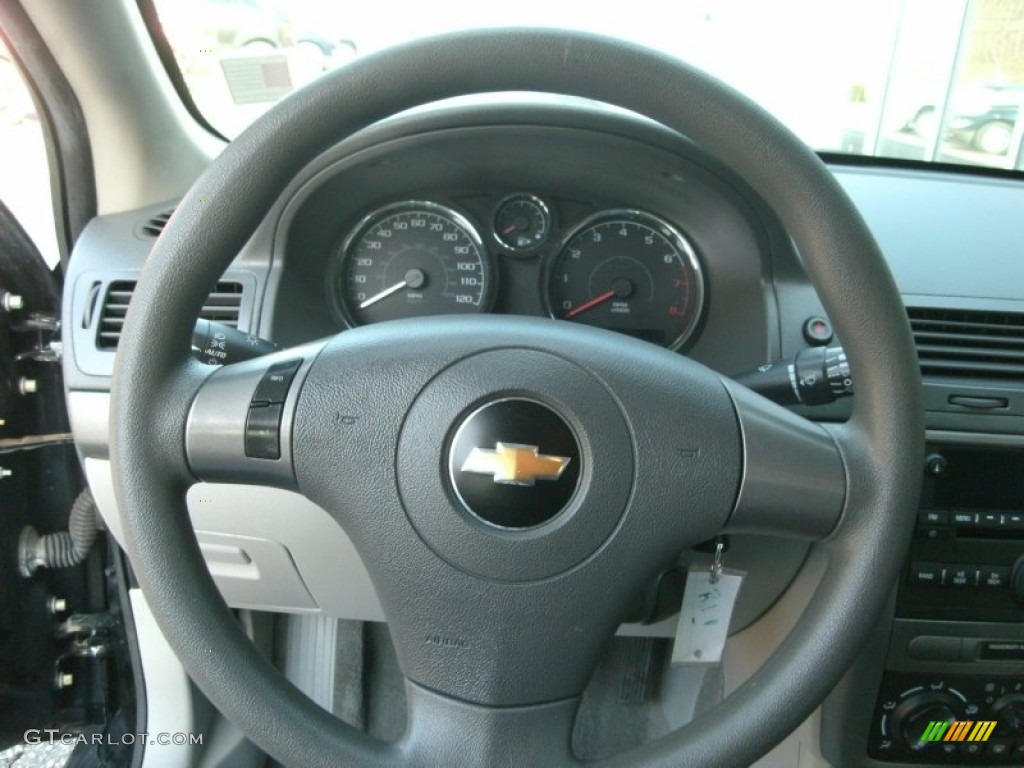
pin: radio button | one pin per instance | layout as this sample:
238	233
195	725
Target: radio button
933	517
964	519
995	577
962	576
926	574
990	520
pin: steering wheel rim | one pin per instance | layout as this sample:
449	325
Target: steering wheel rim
880	446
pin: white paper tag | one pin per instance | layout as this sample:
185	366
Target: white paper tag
705	615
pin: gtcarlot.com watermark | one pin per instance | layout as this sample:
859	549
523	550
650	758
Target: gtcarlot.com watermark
54	736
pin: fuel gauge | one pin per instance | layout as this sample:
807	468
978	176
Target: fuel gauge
522	223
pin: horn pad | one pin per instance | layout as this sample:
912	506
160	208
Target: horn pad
515	464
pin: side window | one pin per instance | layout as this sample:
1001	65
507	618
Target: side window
24	168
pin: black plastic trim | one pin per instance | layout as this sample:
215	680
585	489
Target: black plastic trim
893	163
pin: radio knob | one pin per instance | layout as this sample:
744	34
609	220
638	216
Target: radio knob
911	718
935	465
1017	580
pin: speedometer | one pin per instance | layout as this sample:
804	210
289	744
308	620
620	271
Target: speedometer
412	259
631	272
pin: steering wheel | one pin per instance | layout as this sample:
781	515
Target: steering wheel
498	621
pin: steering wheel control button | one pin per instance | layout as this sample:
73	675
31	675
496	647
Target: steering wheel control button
273	387
263	432
514	463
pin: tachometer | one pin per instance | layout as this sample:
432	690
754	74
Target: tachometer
412	259
631	272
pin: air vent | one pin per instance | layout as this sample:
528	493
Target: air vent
223	306
155	225
968	343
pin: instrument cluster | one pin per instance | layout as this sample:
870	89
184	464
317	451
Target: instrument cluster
621	269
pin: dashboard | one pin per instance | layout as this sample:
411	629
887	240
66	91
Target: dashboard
583	214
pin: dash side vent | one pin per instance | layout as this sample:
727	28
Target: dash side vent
972	344
223	305
155	224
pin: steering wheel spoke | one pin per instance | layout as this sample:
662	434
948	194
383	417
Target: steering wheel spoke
239	428
794	480
446	731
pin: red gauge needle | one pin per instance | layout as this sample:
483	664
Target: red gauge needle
601	298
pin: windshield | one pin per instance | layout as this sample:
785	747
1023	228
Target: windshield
932	80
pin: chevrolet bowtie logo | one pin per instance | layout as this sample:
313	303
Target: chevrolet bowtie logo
515	464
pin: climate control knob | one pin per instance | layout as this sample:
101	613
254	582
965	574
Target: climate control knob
1008	711
911	718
